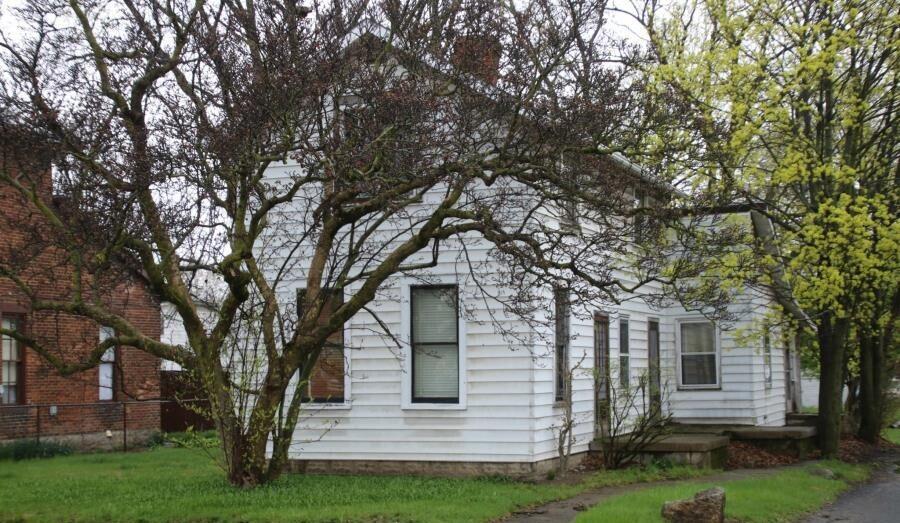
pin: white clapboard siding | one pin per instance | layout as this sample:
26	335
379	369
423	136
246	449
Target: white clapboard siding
508	411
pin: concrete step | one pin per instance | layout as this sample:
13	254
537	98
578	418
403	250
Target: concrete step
699	450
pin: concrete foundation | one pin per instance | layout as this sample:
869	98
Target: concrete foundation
521	470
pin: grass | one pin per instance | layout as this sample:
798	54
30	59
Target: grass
781	496
184	484
892	435
614	478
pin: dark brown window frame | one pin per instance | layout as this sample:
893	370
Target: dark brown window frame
562	309
412	382
307	394
624	353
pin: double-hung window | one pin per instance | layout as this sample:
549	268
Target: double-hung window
699	354
435	344
10	362
624	354
106	371
561	312
767	359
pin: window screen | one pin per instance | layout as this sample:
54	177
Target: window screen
698	354
435	340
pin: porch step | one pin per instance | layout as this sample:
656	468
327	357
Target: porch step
798	419
688	443
699	450
789	432
796	440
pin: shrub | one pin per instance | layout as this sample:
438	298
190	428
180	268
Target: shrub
193	440
33	449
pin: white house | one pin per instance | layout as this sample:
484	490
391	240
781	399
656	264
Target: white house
459	384
458	393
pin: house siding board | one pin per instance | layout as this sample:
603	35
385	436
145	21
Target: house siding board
510	410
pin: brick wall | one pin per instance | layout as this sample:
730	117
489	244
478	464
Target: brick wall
71	337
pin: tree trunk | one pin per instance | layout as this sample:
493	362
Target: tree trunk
832	337
245	462
871	393
245	449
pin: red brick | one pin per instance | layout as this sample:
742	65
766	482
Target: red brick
73	337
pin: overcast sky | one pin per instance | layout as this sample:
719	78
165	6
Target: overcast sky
619	25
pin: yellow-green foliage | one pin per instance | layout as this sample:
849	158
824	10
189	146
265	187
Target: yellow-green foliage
794	102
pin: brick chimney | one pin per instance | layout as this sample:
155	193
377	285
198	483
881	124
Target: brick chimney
478	56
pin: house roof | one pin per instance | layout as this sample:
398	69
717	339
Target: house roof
364	41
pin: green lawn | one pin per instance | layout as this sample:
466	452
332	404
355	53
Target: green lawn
892	435
186	485
783	496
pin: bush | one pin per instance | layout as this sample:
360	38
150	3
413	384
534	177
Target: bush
190	439
33	449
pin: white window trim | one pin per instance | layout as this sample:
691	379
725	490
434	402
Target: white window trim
107	361
406	402
718	354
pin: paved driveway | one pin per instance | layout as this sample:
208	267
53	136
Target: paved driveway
874	502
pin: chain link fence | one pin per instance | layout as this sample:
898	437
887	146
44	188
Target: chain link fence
106	425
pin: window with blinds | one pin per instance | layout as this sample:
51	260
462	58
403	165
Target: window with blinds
699	354
435	343
561	312
10	362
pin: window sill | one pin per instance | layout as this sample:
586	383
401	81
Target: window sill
329	406
699	388
433	406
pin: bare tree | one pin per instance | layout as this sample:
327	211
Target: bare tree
635	422
327	147
569	419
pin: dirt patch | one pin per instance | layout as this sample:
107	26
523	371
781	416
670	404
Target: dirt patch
742	455
856	450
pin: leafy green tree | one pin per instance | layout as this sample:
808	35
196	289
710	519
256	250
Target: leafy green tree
793	112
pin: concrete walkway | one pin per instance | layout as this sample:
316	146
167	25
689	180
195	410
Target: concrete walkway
875	502
565	510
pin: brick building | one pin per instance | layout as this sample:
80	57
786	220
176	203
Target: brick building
108	405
